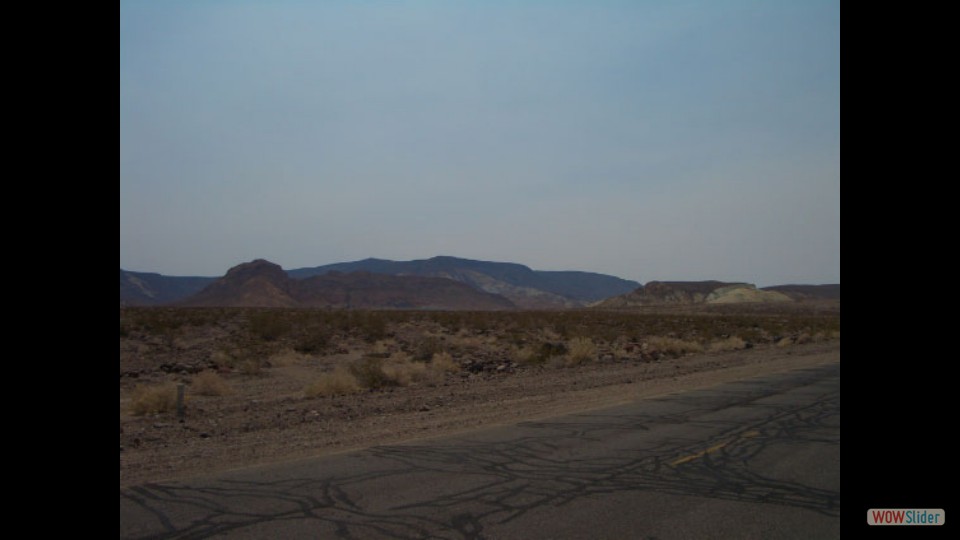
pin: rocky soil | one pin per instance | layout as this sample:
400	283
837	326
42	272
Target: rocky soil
266	416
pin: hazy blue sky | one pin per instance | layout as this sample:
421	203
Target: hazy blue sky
645	139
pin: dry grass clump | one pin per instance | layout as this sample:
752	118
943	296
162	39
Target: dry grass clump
338	382
732	343
287	357
427	348
444	363
251	366
382	348
524	355
625	349
785	342
154	399
221	358
580	350
369	373
404	372
398	370
244	361
554	353
674	346
208	383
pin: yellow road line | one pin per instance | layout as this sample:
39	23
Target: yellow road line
710	450
684	460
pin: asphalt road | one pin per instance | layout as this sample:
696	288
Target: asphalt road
759	458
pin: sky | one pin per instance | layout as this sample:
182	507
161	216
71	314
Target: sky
679	140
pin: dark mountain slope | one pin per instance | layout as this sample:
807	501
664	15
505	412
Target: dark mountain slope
525	287
261	283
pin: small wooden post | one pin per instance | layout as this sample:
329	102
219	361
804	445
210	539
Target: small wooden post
180	411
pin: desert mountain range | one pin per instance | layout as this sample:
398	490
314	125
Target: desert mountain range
447	283
263	284
518	284
524	287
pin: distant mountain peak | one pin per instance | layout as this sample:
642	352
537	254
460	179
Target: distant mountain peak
257	268
256	265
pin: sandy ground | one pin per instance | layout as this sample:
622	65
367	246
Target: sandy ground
267	419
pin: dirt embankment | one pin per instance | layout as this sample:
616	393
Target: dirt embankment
267	418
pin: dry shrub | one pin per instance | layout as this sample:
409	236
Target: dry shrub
154	399
580	350
398	370
525	355
444	363
552	353
208	383
427	348
835	334
221	358
673	346
785	342
313	341
287	357
339	381
804	338
382	348
371	373
732	343
371	325
404	373
251	366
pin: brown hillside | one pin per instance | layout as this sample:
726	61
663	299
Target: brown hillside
665	293
257	283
